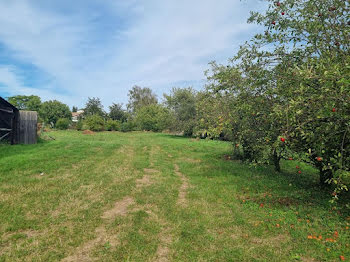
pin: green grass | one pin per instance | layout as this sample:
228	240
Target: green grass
115	197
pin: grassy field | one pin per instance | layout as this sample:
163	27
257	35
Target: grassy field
155	197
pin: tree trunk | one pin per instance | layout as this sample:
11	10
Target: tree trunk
324	175
276	161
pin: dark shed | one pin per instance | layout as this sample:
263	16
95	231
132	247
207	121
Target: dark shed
17	127
9	118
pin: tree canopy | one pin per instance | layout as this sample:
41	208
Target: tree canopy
116	112
53	110
29	103
139	97
94	107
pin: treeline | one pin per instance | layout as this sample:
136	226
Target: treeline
176	113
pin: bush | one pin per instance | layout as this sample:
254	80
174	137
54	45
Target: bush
63	123
112	125
94	123
188	127
79	125
152	118
127	126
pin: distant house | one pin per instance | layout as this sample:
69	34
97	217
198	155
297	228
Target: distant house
76	115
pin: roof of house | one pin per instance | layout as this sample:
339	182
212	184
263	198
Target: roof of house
5	104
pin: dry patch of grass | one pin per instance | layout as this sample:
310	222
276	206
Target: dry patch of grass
150	170
274	241
163	250
184	187
120	208
191	160
146	180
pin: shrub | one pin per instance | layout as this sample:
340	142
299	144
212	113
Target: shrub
79	125
94	123
127	126
112	125
63	123
152	118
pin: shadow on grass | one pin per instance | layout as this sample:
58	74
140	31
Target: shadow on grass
283	190
11	150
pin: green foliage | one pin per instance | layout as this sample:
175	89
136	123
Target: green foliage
113	125
116	112
140	97
74	109
152	118
53	110
29	103
127	126
287	90
94	107
182	104
79	125
94	123
63	123
311	78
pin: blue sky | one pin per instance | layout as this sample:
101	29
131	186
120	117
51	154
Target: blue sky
71	50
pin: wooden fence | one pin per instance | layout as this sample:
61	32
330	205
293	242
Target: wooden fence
27	123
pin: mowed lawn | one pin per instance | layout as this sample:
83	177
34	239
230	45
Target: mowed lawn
154	197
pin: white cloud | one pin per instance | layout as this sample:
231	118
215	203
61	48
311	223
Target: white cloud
92	53
10	79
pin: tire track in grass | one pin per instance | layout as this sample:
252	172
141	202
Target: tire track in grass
163	250
181	201
121	208
165	237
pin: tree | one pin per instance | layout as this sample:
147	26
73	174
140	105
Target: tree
53	110
116	112
182	103
139	97
29	103
94	107
152	117
309	54
289	87
94	122
74	109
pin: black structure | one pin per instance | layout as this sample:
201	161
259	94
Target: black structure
9	119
